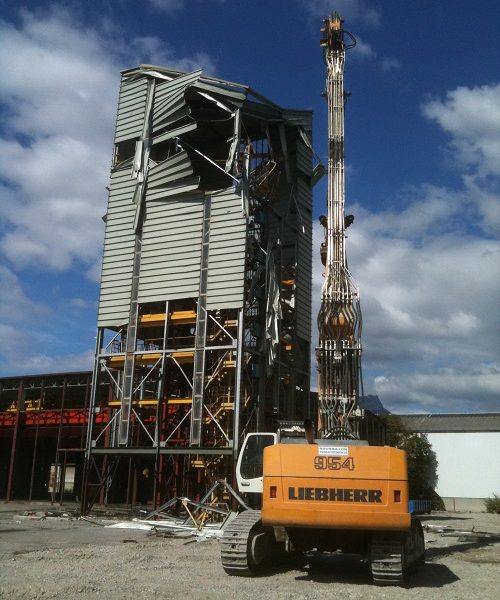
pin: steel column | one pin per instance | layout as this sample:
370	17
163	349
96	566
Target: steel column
13	452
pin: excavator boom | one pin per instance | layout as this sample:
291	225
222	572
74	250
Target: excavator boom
339	319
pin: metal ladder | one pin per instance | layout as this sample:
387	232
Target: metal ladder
201	332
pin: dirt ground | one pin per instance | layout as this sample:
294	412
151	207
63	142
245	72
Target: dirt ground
61	558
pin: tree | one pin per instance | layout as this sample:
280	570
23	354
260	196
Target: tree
421	458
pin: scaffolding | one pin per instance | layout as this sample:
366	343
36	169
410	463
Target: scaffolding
205	306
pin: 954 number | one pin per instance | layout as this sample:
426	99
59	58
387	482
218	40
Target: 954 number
333	463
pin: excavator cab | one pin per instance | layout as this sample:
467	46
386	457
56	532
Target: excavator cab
250	465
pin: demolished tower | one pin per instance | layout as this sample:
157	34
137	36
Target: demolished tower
205	302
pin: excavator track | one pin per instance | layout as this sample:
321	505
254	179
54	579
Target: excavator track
387	559
243	544
393	556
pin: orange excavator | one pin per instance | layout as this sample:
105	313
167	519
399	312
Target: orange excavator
324	496
336	492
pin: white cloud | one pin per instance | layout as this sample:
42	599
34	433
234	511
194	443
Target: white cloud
487	201
430	290
363	50
168	6
78	303
14	303
60	83
13	338
163	55
356	11
471	116
390	63
27	363
55	219
174	6
94	271
449	390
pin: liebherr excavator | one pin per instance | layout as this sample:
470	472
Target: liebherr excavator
335	492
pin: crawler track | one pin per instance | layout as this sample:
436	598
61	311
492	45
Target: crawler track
393	556
236	544
387	559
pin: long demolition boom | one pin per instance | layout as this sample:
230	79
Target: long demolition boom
339	318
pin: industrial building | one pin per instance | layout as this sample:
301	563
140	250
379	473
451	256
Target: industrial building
466	446
43	428
204	318
205	305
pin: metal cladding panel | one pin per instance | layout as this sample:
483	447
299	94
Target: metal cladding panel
169	104
117	262
173	205
179	131
121	269
171	248
170	169
304	285
168	88
236	96
167	108
304	261
303	194
301	118
226	263
174	188
304	158
131	109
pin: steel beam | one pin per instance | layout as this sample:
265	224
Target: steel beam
144	450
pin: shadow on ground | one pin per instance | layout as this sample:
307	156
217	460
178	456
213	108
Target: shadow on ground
352	570
432	576
433	553
434	517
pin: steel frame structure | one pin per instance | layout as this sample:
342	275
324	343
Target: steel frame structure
188	379
43	423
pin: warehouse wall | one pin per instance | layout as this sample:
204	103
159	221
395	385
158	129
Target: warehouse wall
469	464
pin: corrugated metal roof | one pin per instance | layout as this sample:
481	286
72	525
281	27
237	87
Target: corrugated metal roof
49	376
447	423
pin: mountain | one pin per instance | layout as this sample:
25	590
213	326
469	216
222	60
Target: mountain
373	404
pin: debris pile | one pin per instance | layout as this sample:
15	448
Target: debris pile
183	517
36	515
463	535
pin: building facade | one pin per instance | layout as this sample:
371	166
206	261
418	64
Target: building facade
43	432
467	448
204	318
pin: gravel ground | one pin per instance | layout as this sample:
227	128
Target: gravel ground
66	559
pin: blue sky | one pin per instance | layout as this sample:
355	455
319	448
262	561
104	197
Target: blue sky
423	169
